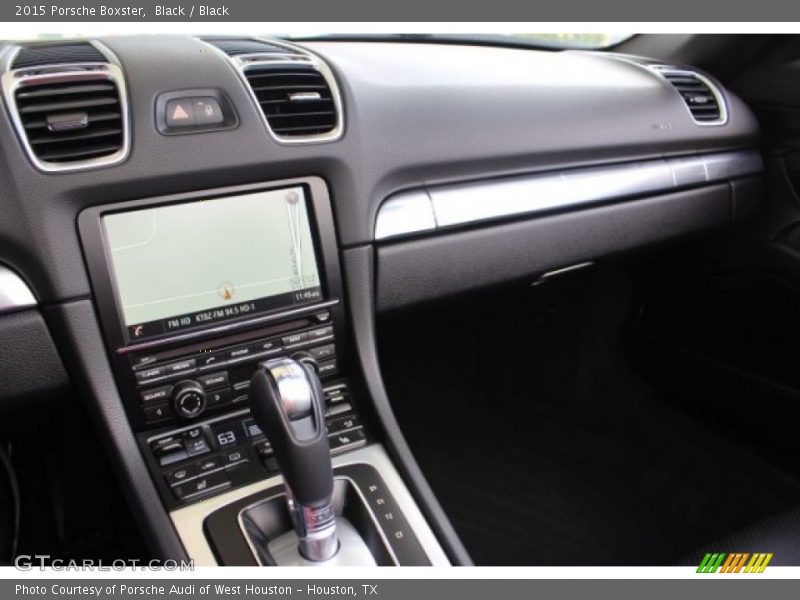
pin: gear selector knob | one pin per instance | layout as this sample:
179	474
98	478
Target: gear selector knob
287	402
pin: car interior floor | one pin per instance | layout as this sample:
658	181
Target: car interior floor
545	442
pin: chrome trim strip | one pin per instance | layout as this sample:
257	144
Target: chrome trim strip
226	327
297	55
453	205
405	213
188	521
715	91
12	80
14	292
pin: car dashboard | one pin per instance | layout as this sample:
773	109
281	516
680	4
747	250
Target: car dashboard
400	173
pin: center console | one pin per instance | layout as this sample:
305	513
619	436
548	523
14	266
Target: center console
195	294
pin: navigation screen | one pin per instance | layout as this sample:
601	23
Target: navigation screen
187	265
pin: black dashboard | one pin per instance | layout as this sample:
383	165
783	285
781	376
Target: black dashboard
430	171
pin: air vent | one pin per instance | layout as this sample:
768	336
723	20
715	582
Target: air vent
59	54
295	89
701	96
71	121
296	100
235	47
68	115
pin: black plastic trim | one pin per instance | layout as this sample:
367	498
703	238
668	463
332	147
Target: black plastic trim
446	265
80	344
359	268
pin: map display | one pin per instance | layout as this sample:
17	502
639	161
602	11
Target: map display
191	264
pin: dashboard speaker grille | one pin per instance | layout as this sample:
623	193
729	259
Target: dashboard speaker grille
701	98
37	56
296	100
72	120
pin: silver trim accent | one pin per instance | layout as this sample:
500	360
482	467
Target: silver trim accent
466	203
353	551
545	277
294	387
14	292
188	521
715	91
304	96
298	55
338	560
405	213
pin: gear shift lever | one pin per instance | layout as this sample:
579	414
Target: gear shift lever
287	402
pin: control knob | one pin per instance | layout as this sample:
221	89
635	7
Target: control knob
188	399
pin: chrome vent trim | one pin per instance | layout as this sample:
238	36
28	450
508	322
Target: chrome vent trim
293	56
13	80
716	92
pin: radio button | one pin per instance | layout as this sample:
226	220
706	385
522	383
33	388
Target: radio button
217	397
327	368
295	339
239	353
266	347
209	360
148	374
213	379
241	385
323	316
155	394
183	366
323	352
322	332
156	412
143	361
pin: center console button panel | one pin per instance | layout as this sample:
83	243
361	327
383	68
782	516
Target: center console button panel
215	455
204	381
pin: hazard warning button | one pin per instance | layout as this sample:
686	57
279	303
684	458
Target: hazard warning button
183	112
180	112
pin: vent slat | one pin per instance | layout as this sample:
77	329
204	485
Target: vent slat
696	94
274	87
317	113
79	152
57	54
234	47
47	91
84	135
92	118
90	114
50	107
